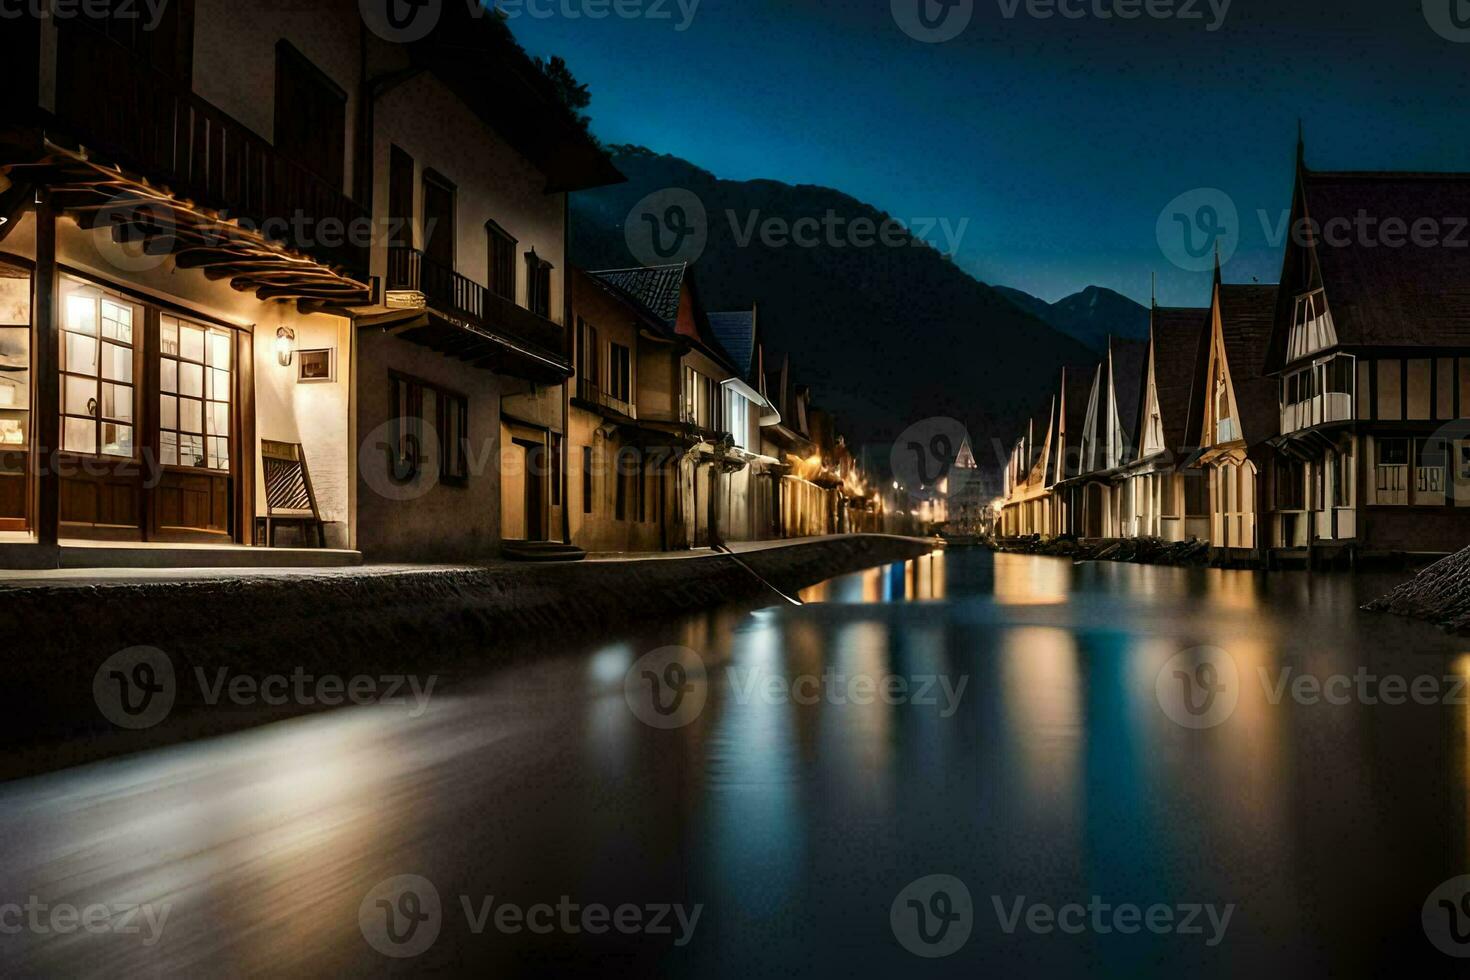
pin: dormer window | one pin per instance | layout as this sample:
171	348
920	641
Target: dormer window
1311	326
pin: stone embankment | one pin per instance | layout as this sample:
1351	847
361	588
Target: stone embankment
1439	594
1143	551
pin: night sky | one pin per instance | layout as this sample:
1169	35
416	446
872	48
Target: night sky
1061	141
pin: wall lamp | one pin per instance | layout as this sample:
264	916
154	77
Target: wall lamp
285	345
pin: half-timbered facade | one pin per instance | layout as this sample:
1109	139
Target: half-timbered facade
1371	346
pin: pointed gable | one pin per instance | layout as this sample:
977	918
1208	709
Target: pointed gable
1175	337
1125	366
1237	387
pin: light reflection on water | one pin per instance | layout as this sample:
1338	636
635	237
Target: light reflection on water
795	821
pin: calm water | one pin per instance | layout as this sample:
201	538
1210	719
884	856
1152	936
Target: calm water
1031	755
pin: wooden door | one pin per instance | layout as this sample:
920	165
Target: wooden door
196	430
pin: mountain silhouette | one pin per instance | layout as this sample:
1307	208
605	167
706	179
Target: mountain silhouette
887	334
1089	316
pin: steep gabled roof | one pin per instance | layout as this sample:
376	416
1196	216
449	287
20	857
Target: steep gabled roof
735	332
1412	295
1129	360
1177	335
1246	315
1076	390
657	288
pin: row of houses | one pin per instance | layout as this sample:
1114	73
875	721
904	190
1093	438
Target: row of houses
1324	417
282	279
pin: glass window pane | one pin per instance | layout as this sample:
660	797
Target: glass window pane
117	440
191	380
191	342
117	402
168	336
191	450
168	412
219	385
78	393
117	363
80	436
168	449
117	321
219	349
80	355
219	418
81	314
219	454
168	375
191	415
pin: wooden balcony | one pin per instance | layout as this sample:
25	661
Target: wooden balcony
593	395
127	113
459	298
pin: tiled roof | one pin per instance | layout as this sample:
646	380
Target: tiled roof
656	289
1246	315
1177	336
1413	295
735	332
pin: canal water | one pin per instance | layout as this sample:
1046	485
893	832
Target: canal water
966	765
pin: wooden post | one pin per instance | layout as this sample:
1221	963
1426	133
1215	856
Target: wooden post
47	377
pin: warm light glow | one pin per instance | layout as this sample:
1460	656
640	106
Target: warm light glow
285	346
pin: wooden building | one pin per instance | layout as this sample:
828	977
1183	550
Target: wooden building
1371	345
1169	499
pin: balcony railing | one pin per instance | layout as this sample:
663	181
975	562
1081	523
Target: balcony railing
450	293
1335	406
593	394
134	115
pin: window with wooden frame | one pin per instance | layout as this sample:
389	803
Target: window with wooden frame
586	479
620	484
311	116
538	284
400	198
586	352
555	470
195	388
500	248
453	425
619	371
101	335
439	233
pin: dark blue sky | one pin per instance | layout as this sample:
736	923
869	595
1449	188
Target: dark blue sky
1059	140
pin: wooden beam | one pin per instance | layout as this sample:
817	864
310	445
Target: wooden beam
13	204
47	376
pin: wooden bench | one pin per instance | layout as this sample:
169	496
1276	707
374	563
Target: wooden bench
289	498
